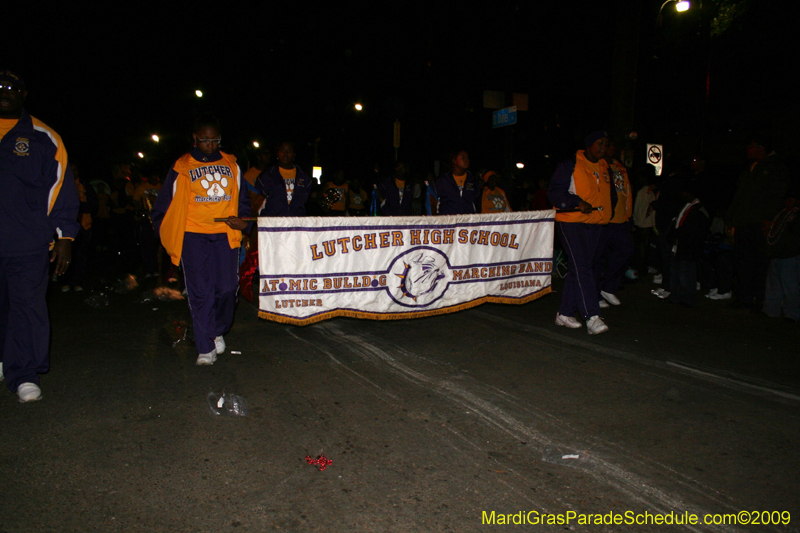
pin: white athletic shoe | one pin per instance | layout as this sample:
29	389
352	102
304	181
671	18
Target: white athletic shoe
658	278
29	392
595	325
712	292
718	296
567	321
207	358
603	304
610	298
219	342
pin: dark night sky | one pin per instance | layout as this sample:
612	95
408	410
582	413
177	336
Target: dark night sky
107	81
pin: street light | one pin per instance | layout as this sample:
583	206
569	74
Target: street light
680	6
199	93
520	165
255	144
140	154
155	138
359	107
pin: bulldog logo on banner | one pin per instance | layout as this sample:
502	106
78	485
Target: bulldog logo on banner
312	269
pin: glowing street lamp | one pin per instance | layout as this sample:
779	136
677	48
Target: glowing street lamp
359	107
520	165
198	93
155	138
255	144
680	6
140	154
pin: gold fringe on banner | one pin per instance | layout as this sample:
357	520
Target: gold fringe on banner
400	316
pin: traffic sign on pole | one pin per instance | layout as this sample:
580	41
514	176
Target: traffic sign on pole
504	117
655	156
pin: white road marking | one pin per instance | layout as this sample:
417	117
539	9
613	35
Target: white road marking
714	375
635	487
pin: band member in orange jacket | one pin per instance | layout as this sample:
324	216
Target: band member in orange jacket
581	190
203	185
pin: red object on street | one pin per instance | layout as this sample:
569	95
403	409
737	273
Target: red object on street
321	461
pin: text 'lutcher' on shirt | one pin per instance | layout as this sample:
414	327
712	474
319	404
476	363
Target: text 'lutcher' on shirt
197	190
211	190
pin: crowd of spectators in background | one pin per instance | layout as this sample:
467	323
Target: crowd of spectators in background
694	230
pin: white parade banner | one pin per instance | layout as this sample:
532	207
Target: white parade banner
389	268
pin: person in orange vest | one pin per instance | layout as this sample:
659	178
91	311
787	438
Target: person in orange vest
616	245
204	185
336	195
358	198
581	192
263	162
493	198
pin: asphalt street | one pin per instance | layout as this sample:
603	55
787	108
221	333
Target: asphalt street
448	423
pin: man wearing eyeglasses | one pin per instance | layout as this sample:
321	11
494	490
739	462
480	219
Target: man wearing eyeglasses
38	218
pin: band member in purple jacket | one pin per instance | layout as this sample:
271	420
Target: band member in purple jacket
39	217
285	186
458	190
396	192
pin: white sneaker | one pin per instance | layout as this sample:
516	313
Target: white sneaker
78	288
651	270
664	294
718	296
65	288
657	292
610	298
29	392
567	321
220	344
658	278
711	293
604	304
207	358
595	325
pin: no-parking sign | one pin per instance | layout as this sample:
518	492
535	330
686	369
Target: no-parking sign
655	156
